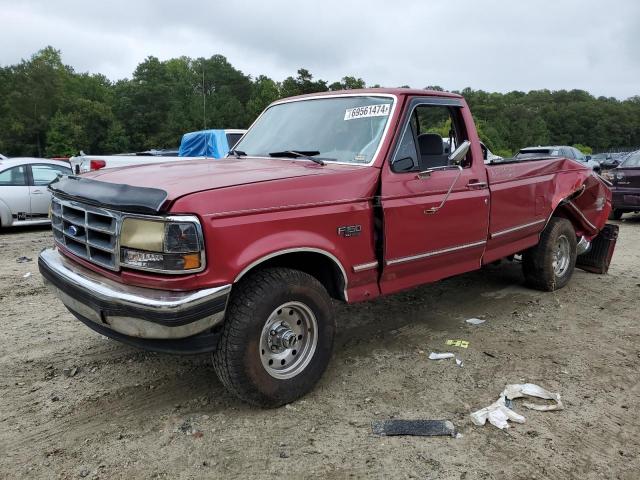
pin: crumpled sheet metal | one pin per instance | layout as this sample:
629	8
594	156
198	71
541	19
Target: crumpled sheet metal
499	414
567	177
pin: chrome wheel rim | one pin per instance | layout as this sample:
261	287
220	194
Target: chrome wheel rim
288	340
561	256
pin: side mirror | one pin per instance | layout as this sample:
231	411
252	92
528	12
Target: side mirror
588	157
459	153
404	164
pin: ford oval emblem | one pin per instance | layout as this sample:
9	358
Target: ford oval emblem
72	230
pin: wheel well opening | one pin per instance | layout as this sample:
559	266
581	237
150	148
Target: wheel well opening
319	266
566	212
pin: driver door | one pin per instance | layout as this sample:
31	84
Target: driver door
435	225
42	174
14	193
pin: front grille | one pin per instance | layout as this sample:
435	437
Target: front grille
88	232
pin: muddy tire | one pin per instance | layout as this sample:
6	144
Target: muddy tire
616	214
277	338
549	265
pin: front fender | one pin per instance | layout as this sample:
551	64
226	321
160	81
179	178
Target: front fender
294	241
6	219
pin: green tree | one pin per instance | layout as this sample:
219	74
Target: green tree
583	148
348	83
302	84
48	108
264	91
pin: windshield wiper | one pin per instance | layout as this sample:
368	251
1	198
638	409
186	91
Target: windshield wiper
306	154
237	153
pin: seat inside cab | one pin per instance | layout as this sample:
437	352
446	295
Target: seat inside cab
432	152
422	146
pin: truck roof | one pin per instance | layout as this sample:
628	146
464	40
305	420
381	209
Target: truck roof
388	91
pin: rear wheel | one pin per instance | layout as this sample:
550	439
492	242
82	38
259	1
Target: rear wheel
616	214
549	265
277	338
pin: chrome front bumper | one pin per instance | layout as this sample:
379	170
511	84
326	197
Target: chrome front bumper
141	313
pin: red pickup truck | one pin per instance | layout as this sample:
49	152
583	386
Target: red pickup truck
338	196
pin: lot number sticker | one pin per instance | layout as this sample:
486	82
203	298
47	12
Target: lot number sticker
381	110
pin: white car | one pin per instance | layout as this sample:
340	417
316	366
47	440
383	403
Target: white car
24	198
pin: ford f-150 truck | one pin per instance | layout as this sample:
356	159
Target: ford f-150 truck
339	196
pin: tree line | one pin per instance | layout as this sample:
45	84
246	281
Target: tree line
48	109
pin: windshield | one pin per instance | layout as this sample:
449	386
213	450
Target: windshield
632	161
344	129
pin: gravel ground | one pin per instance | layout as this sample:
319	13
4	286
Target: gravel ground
77	405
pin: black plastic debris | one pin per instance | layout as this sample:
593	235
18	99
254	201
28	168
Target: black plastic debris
421	428
598	258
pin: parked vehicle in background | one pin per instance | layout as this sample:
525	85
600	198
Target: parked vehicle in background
566	151
488	156
24	198
612	160
194	145
601	158
342	195
626	186
163	152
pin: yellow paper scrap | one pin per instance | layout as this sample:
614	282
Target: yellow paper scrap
458	343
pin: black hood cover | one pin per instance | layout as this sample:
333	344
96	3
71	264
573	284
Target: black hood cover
115	196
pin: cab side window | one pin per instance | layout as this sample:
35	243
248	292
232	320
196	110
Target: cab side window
430	135
44	174
14	177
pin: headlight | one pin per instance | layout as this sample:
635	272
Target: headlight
172	245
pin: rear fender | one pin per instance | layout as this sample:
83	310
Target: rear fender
5	215
585	200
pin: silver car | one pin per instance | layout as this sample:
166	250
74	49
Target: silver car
24	198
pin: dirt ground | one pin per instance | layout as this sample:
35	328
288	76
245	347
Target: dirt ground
126	413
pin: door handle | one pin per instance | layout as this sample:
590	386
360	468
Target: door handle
36	192
476	185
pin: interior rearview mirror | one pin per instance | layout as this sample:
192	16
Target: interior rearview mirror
459	153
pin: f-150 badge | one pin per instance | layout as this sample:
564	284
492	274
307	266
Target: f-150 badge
349	230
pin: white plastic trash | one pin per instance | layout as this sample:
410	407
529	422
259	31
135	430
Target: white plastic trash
440	356
499	414
475	321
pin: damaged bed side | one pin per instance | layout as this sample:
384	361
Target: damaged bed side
588	208
539	190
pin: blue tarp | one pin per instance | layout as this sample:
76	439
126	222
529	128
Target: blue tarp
205	143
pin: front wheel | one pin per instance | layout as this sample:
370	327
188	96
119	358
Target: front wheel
549	265
277	338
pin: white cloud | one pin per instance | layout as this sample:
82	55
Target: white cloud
493	45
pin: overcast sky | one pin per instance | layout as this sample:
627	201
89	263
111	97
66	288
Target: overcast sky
491	45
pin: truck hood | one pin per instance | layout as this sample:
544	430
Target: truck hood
152	187
182	177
